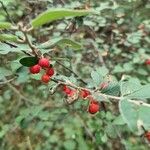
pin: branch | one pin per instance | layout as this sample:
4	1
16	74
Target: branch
7	81
27	40
140	103
33	48
29	143
111	97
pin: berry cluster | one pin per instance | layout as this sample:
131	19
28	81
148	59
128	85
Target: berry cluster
94	105
45	64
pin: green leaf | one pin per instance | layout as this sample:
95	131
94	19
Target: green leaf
35	76
142	93
112	89
4	130
135	115
8	37
22	73
118	120
129	113
62	43
4	72
130	86
110	131
103	71
144	113
135	37
69	145
5	25
70	43
55	14
29	61
97	78
5	49
133	89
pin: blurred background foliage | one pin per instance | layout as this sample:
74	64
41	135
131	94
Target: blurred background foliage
117	37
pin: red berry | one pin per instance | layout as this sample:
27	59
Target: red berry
35	69
147	135
44	62
94	107
84	93
50	72
72	93
45	78
66	89
147	62
104	85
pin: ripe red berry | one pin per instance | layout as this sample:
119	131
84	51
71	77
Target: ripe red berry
84	93
94	107
72	93
147	62
50	71
35	69
66	89
45	78
44	62
147	135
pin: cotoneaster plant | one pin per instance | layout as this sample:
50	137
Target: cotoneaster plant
102	89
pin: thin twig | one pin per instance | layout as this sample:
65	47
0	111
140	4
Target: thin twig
76	75
27	40
10	44
33	48
117	98
100	57
15	46
5	9
7	81
29	143
19	94
62	1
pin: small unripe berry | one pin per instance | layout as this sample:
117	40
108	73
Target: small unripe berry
35	69
45	78
104	85
50	71
94	107
44	62
84	93
147	62
147	135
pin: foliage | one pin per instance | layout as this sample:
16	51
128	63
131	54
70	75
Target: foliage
99	47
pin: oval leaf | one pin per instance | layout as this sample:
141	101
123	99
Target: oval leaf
55	14
129	114
141	93
69	43
8	37
29	61
5	25
133	114
62	43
